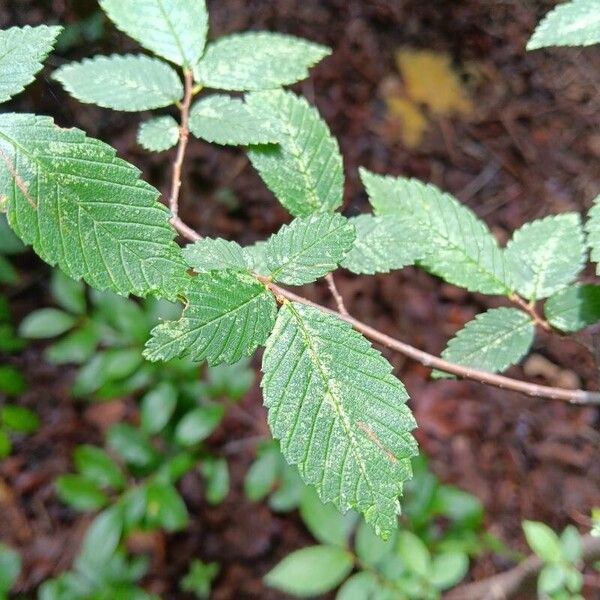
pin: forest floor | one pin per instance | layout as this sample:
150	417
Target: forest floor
529	148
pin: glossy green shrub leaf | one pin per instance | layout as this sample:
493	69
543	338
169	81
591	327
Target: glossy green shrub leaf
369	547
10	568
76	347
102	537
19	418
414	553
198	424
131	444
592	228
492	341
131	82
457	246
361	586
311	571
158	406
289	492
68	293
22	51
575	23
158	134
80	493
308	248
216	477
46	323
98	467
550	580
228	315
12	382
165	508
86	210
447	569
543	541
172	29
304	170
546	255
263	473
5	446
333	400
199	579
574	307
8	274
210	254
384	244
571	544
257	61
229	121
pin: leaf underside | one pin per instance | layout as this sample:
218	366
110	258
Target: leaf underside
257	61
339	413
574	308
308	248
173	29
22	51
85	210
546	255
158	134
575	23
304	170
131	82
458	247
493	341
210	254
227	316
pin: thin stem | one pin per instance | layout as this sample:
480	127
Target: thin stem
529	308
336	295
184	136
429	360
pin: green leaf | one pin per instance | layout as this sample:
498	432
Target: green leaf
550	580
5	450
575	23
263	474
384	244
199	579
198	424
228	315
68	293
324	521
216	475
22	51
543	541
361	586
574	307
10	568
448	569
257	61
333	400
311	571
546	255
102	537
289	492
457	246
9	242
97	466
492	341
158	406
46	323
229	121
77	347
308	248
19	418
370	548
130	82
570	543
210	254
304	170
172	29
12	382
165	508
86	210
158	134
592	228
414	553
131	444
80	493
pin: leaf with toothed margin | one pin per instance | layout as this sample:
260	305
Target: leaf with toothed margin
574	308
22	50
228	314
339	413
86	210
210	254
159	134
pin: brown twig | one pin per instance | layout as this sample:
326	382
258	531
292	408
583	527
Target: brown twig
512	583
336	295
529	308
184	136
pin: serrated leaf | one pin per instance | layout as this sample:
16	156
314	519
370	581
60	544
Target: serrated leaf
575	23
258	257
332	400
228	315
85	210
592	228
384	244
22	51
210	254
305	169
574	307
257	61
458	246
172	29
308	248
158	134
229	121
493	341
131	82
546	255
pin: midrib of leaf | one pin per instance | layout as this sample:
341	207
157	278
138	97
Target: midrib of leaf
496	341
544	260
335	401
453	245
171	28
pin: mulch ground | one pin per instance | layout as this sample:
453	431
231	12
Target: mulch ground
532	149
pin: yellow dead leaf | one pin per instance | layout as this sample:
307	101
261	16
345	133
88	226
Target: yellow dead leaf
414	123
